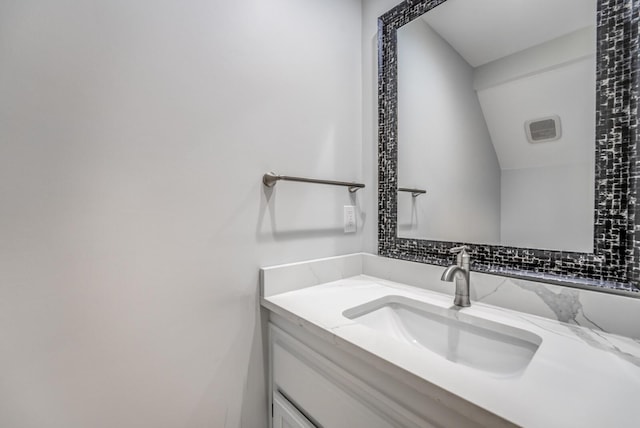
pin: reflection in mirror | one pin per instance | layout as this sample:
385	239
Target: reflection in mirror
496	120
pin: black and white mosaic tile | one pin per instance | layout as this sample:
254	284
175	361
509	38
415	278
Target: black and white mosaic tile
614	263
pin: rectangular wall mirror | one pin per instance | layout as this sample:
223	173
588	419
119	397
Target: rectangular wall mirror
518	119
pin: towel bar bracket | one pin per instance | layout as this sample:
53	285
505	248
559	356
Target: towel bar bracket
414	192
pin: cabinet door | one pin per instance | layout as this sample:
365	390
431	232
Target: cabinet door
285	415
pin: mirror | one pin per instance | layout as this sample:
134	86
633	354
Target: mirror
496	120
457	120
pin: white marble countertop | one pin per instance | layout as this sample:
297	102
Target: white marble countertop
577	378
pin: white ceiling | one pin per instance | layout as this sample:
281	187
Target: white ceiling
485	30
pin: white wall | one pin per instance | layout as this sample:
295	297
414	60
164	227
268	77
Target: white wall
133	136
547	188
567	91
443	144
548	207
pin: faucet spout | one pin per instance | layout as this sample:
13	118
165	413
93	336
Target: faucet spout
451	272
461	276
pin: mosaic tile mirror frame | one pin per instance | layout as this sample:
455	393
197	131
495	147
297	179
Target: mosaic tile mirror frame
613	265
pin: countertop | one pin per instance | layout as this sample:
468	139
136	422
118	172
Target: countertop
578	377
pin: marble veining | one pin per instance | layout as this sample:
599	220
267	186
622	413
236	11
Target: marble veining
491	293
565	304
604	343
291	276
567	310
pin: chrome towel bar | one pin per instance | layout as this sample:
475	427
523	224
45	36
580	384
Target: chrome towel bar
414	192
271	178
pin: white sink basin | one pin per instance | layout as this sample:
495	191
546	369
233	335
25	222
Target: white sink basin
463	339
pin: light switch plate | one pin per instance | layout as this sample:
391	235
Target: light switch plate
350	225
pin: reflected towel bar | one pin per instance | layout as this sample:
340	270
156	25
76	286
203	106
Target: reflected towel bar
414	192
271	178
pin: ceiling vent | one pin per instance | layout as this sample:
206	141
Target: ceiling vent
543	130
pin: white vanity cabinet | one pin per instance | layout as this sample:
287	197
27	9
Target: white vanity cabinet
316	383
339	367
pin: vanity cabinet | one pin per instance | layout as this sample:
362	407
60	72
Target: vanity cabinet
314	382
342	362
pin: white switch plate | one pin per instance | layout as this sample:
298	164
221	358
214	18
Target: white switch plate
350	225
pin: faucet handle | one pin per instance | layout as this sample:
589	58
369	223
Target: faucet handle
462	258
460	249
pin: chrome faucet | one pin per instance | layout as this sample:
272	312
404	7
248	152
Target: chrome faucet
460	272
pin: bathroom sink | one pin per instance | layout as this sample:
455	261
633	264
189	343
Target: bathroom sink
449	332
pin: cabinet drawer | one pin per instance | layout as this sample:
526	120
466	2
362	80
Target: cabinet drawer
285	415
327	394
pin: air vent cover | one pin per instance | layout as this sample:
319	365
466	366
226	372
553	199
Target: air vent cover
543	129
